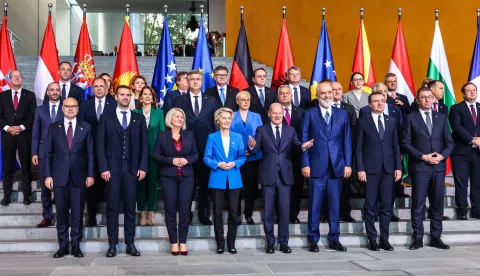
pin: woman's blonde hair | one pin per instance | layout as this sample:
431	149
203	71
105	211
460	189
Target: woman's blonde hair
242	94
220	111
168	118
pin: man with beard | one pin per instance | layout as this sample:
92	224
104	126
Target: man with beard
68	89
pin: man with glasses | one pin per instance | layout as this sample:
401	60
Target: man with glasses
300	95
223	93
261	96
356	97
17	111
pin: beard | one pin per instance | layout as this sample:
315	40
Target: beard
326	103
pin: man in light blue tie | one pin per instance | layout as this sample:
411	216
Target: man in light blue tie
224	94
301	95
261	96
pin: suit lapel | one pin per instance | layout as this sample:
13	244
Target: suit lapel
373	127
217	95
420	120
9	94
254	96
190	104
63	133
272	136
204	103
320	120
77	133
219	145
283	140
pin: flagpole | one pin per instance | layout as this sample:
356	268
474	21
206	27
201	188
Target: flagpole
127	8
284	12
241	14
478	15
166	10
436	15
201	11
84	10
361	13
399	14
50	5
5	7
324	10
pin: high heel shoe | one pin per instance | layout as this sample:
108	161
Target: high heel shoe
143	218
150	219
183	252
174	252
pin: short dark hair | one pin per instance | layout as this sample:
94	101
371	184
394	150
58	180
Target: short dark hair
423	89
154	97
179	76
465	85
356	73
432	83
121	87
389	75
373	94
220	67
64	62
258	69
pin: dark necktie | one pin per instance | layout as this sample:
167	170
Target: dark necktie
99	110
15	100
429	122
53	114
277	136
295	96
70	135
474	114
196	109
287	116
64	91
124	120
381	129
435	107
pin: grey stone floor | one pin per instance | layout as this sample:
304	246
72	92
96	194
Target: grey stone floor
460	260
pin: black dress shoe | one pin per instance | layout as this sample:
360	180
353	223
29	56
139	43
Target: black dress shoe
220	250
232	250
112	251
337	246
270	249
385	245
76	252
394	218
313	247
438	243
347	219
295	221
373	246
402	195
205	221
416	245
249	220
445	218
462	217
92	222
132	250
61	253
45	223
285	248
27	200
6	201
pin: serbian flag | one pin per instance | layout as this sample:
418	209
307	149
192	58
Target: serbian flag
7	60
126	66
47	68
83	73
400	65
362	62
284	58
242	71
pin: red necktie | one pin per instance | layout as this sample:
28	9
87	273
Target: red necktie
15	100
287	116
435	107
474	114
70	135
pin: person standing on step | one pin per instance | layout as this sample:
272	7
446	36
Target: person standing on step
356	97
377	158
17	111
261	96
68	90
301	96
69	171
122	157
182	89
222	92
427	140
44	117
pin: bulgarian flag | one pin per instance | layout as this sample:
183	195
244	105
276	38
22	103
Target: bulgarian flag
362	61
438	70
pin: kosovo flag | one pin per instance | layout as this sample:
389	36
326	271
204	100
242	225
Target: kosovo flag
202	60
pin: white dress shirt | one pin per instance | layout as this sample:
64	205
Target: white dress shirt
258	92
18	96
199	101
50	108
422	112
120	115
293	93
337	104
274	129
182	92
474	106
226	144
375	120
224	91
358	95
289	110
385	111
67	87
66	124
97	102
324	111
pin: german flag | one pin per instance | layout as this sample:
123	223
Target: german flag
242	71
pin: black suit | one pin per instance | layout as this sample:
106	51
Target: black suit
188	50
113	54
406	104
416	142
138	54
230	96
169	100
24	115
379	158
255	104
442	108
305	97
75	92
465	158
201	127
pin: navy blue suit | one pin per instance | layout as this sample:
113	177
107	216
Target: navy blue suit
169	100
442	108
379	158
123	162
406	104
465	158
255	104
230	96
305	97
327	158
75	92
69	169
276	177
426	178
41	123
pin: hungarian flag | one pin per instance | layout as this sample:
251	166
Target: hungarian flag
7	60
284	58
83	73
400	65
438	70
242	71
47	68
362	62
126	66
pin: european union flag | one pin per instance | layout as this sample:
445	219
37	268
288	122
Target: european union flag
202	60
323	66
474	75
163	80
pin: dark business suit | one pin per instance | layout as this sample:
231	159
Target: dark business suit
113	54
256	105
230	96
201	127
185	48
69	168
441	108
75	92
169	100
406	104
305	97
276	177
379	157
416	142
41	123
177	189
465	158
123	162
24	115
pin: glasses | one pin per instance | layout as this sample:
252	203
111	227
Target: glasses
426	97
245	100
357	80
70	106
195	79
221	76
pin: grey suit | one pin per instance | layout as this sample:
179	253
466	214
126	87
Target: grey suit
351	98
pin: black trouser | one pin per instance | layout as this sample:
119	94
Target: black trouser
95	194
10	145
46	193
202	173
466	167
296	189
249	172
218	199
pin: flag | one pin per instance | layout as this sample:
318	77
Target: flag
400	65
438	70
284	58
126	66
165	68
474	75
323	66
202	60
83	73
242	71
47	68
362	62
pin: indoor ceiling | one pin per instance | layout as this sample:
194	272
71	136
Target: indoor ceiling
142	6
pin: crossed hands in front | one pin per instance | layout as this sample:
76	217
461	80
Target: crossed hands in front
225	166
14	130
180	162
432	158
305	146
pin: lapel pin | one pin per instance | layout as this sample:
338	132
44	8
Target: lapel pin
233	143
59	126
81	128
387	119
436	116
134	121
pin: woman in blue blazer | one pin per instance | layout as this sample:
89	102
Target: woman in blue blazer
245	123
224	155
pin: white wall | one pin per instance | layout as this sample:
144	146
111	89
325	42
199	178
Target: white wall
216	15
63	32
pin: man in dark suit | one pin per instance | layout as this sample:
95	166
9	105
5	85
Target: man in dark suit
199	111
326	163
277	142
427	140
115	51
90	112
465	124
185	50
17	111
122	157
182	88
377	156
44	116
68	89
137	53
261	96
69	163
394	97
301	96
223	93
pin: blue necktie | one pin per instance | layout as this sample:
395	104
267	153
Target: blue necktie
64	92
327	123
53	114
381	130
124	120
295	96
222	96
262	97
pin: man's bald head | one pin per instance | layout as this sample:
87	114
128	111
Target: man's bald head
275	112
70	108
337	91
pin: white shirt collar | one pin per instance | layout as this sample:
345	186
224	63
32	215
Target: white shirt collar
102	99
274	127
118	110
323	111
19	91
224	88
67	121
257	88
